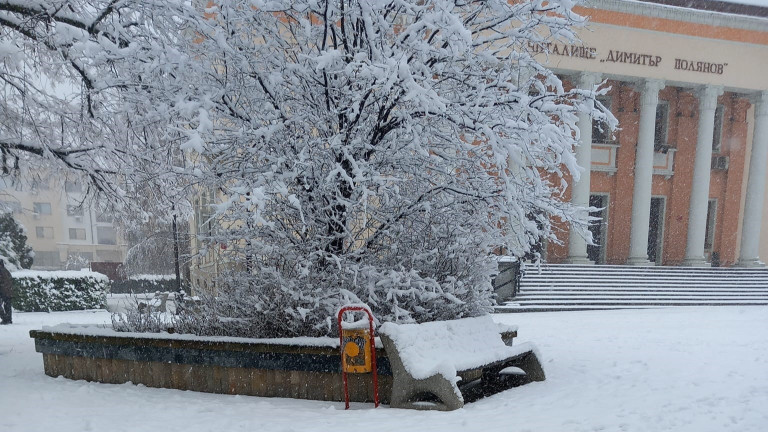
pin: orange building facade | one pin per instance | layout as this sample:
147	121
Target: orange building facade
682	181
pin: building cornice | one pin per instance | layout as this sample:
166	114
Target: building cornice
676	13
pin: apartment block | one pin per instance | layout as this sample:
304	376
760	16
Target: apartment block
63	229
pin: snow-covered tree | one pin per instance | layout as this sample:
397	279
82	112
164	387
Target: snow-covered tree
358	150
81	100
76	78
376	152
13	244
153	247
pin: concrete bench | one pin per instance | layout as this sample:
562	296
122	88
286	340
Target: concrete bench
430	360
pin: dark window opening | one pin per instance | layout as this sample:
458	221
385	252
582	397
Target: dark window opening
661	132
601	134
717	133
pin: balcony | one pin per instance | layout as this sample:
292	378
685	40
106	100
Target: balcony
604	160
604	157
664	163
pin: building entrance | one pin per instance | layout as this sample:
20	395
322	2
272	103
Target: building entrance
596	252
656	230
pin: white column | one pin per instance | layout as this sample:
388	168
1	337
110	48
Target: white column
641	194
702	165
577	244
753	206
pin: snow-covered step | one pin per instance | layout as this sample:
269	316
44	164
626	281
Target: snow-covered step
554	308
605	301
574	287
604	268
642	297
655	283
627	290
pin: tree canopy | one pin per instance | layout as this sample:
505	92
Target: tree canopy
355	151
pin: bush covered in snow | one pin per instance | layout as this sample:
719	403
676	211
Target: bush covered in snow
13	243
146	283
42	291
142	320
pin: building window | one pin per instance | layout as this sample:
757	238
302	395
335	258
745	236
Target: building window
717	133
39	185
106	235
10	207
44	232
205	215
82	256
104	217
77	260
108	255
73	210
73	187
601	134
42	208
709	235
661	129
48	259
77	234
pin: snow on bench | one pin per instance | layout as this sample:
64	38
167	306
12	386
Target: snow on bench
429	359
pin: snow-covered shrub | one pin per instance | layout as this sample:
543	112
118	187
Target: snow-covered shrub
142	320
145	284
43	291
434	277
13	243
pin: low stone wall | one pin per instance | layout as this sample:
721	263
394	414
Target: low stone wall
246	367
207	365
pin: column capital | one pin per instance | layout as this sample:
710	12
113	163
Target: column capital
760	100
708	96
588	80
649	89
653	84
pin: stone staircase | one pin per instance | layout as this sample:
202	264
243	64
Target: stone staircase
560	287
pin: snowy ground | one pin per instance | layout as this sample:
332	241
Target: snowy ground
688	369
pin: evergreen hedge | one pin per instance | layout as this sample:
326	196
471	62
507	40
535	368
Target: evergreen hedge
145	284
42	291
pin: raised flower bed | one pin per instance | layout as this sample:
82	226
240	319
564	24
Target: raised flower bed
304	368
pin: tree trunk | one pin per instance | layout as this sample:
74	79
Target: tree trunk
176	254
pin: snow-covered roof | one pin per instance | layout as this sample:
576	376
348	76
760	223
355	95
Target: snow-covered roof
740	7
739	14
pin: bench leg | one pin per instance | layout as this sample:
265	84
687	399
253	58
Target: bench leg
493	381
530	364
406	391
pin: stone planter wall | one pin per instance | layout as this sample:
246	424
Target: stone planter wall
246	368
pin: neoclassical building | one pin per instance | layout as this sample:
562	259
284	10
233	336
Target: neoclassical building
682	182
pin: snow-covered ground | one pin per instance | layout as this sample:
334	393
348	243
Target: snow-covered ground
687	369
